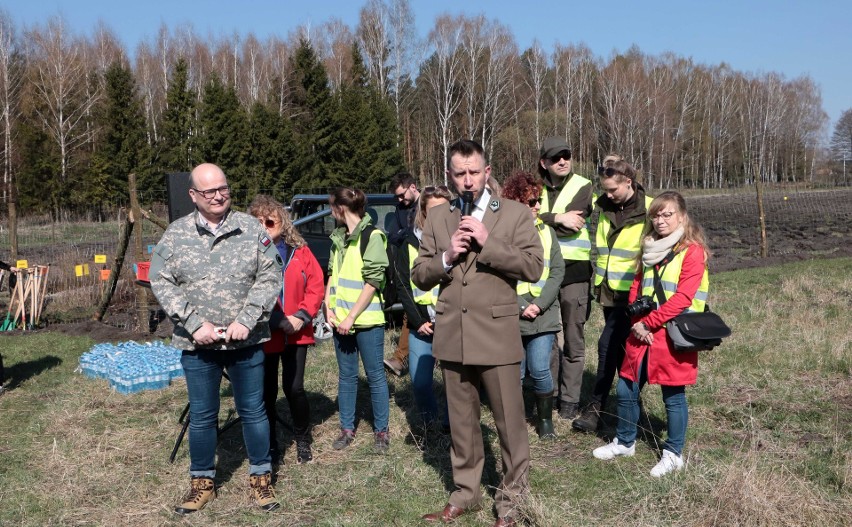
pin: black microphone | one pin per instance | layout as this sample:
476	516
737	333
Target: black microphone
466	203
467	210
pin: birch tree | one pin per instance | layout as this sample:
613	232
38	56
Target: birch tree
59	80
10	83
443	73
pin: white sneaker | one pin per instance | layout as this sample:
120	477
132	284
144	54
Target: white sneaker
612	450
668	463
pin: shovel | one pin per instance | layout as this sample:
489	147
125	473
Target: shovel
5	326
45	270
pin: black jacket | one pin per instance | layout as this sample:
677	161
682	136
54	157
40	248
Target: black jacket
417	314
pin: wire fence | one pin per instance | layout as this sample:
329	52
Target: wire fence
800	224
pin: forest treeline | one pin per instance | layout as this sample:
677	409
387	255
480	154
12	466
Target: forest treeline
331	105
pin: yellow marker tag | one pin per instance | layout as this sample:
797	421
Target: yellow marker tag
78	271
100	258
21	264
86	269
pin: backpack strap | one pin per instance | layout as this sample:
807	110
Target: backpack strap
366	234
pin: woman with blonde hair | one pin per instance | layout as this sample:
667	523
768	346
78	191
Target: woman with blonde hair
620	217
420	310
672	264
290	324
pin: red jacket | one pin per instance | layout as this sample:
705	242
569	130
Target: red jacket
303	291
665	365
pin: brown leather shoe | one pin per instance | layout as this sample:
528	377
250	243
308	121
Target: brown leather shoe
448	515
397	366
505	521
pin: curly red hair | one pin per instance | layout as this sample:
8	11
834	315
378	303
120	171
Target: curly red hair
521	187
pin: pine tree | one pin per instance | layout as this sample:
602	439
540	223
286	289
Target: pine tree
222	137
178	123
271	153
314	123
370	155
123	148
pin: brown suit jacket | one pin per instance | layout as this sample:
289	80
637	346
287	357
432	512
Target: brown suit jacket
477	307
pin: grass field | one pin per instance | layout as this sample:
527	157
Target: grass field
769	442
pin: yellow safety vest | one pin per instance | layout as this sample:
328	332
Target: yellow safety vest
618	264
578	246
669	279
425	298
347	282
547	243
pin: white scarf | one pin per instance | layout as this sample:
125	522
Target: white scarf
653	251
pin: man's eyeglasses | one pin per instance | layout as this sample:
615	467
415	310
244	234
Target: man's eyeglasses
532	202
663	215
401	195
224	191
566	155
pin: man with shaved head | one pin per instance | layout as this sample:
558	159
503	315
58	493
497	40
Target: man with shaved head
216	273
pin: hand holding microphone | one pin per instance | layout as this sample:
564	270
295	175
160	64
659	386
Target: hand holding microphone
473	230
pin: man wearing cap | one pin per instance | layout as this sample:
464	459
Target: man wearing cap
566	204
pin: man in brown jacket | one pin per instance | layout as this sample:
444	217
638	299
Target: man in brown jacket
478	259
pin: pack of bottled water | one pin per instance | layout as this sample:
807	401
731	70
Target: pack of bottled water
131	366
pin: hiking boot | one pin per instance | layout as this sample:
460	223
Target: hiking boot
588	420
544	425
613	450
569	411
303	450
382	442
344	439
670	462
262	491
396	366
201	491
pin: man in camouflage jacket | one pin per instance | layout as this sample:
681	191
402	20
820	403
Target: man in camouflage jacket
217	274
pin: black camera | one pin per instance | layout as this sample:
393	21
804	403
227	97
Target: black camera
643	305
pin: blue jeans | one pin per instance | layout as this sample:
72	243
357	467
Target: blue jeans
677	412
421	366
537	358
370	344
203	370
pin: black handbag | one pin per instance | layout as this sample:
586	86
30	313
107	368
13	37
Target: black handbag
692	331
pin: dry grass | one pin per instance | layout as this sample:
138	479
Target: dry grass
769	440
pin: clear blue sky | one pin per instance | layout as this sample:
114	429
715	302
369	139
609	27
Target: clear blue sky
790	37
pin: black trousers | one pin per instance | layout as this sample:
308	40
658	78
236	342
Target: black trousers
610	351
292	361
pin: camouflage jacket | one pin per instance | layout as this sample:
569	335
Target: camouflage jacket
234	275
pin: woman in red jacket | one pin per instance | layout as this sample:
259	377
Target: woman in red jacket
674	253
290	323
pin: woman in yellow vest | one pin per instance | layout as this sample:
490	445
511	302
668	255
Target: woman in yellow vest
354	309
540	316
675	253
420	310
620	218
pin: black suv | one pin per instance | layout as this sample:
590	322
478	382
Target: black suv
312	216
